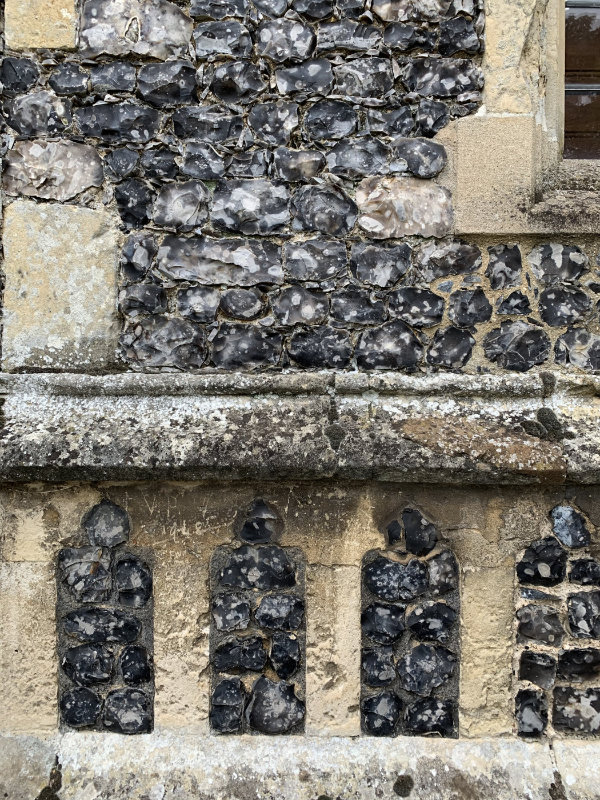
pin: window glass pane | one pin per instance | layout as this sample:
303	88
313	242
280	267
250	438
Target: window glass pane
582	79
582	124
582	45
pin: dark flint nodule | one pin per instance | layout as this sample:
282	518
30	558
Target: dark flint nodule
584	614
423	158
357	306
161	341
198	303
569	526
443	573
158	164
544	563
517	346
133	581
347	35
167	84
469	306
263	567
576	710
202	161
40	113
330	119
245	654
285	655
421	535
238	345
227	38
425	667
504	268
214	124
389	346
451	348
284	40
182	206
392	122
134	202
97	625
120	163
405	38
563	305
272	8
68	79
441	259
227	706
273	122
218	9
430	716
280	612
138	254
250	206
431	117
417	307
18	75
554	263
88	664
516	303
380	714
378	666
316	259
322	347
273	707
314	9
458	35
118	122
531	709
80	707
540	624
356	158
86	571
579	348
135	665
391	581
579	665
379	265
243	304
538	668
383	623
297	305
230	612
441	77
394	532
298	165
118	76
313	76
251	164
432	622
142	298
127	711
585	571
261	524
323	208
238	83
364	77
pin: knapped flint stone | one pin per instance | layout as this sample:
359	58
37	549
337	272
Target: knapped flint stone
230	612
321	347
37	114
198	303
563	306
431	716
350	8
432	622
380	714
133	581
540	624
297	305
167	84
364	77
138	254
323	208
425	668
160	341
431	116
218	9
515	303
106	524
401	10
538	668
80	707
357	307
314	9
441	259
315	260
127	711
504	268
298	165
585	571
86	571
576	710
423	158
579	665
183	206
228	38
118	76
390	346
242	303
280	612
347	35
393	122
120	163
580	348
97	625
51	170
458	35
419	308
68	79
284	40
240	654
271	8
241	262
531	710
239	346
134	202
420	534
18	75
227	706
569	527
391	208
468	307
202	161
273	122
555	263
261	524
442	77
517	346
262	567
135	665
443	573
88	664
118	122
249	164
313	76
207	123
273	707
250	206
394	532
451	348
355	158
391	581
284	655
158	164
378	666
154	28
382	623
584	614
544	563
330	119
238	82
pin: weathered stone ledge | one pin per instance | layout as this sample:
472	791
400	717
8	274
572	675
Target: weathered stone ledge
157	766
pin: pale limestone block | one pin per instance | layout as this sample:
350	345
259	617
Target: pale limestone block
333	651
33	24
28	664
60	301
